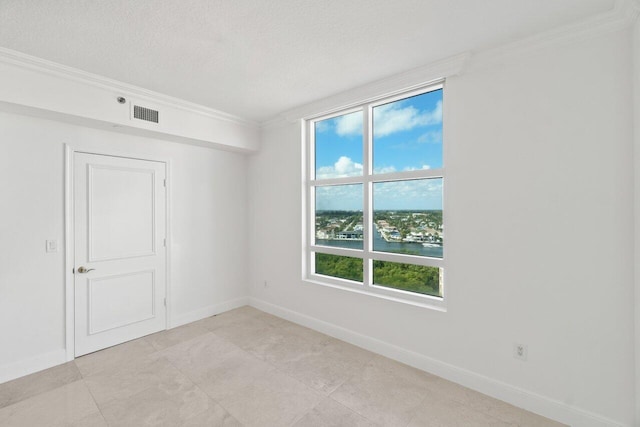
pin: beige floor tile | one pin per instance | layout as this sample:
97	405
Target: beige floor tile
437	412
488	405
293	331
165	404
270	399
271	319
330	413
245	310
282	343
215	416
228	318
95	419
63	406
195	356
322	365
247	332
520	417
23	388
453	391
114	358
385	391
108	385
246	367
226	374
165	339
380	364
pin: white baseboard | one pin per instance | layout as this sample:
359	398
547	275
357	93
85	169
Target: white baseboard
210	310
530	401
38	363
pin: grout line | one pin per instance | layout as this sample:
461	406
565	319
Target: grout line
192	380
95	401
355	412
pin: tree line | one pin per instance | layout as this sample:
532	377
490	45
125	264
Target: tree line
408	277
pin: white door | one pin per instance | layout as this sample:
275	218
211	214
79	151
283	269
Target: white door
120	254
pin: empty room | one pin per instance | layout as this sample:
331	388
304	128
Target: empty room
320	213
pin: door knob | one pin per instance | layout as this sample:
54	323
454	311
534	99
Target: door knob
85	270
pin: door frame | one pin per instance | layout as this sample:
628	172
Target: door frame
69	234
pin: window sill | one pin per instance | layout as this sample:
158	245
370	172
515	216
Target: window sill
426	301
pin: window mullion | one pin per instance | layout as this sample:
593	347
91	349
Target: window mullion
309	203
367	213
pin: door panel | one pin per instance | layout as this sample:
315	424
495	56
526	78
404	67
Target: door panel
119	227
121	300
121	213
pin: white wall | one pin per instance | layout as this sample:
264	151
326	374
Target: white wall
636	138
540	243
208	213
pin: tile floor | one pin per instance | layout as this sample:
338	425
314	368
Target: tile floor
245	368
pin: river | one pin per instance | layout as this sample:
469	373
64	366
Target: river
379	244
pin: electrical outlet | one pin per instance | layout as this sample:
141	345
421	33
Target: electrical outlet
520	351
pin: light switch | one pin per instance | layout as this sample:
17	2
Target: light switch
52	246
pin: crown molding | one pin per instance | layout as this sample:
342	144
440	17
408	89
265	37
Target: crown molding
274	122
388	86
623	15
22	60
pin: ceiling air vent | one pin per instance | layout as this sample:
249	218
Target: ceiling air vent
146	114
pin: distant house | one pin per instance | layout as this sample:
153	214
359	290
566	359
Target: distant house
349	235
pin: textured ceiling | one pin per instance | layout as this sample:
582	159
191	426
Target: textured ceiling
257	58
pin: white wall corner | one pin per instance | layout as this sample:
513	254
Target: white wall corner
525	399
402	82
210	310
635	46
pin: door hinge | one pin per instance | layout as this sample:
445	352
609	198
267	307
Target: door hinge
165	302
164	182
164	242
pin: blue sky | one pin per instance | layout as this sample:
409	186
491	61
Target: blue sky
417	194
407	135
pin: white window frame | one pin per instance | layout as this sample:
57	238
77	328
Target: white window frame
367	180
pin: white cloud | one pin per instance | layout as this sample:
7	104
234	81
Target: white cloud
384	169
412	168
347	167
342	168
412	194
322	126
339	197
391	118
391	169
433	137
349	124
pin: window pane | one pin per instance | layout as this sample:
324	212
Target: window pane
338	146
407	134
407	217
339	266
408	277
339	216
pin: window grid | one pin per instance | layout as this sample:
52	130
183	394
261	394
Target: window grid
367	179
